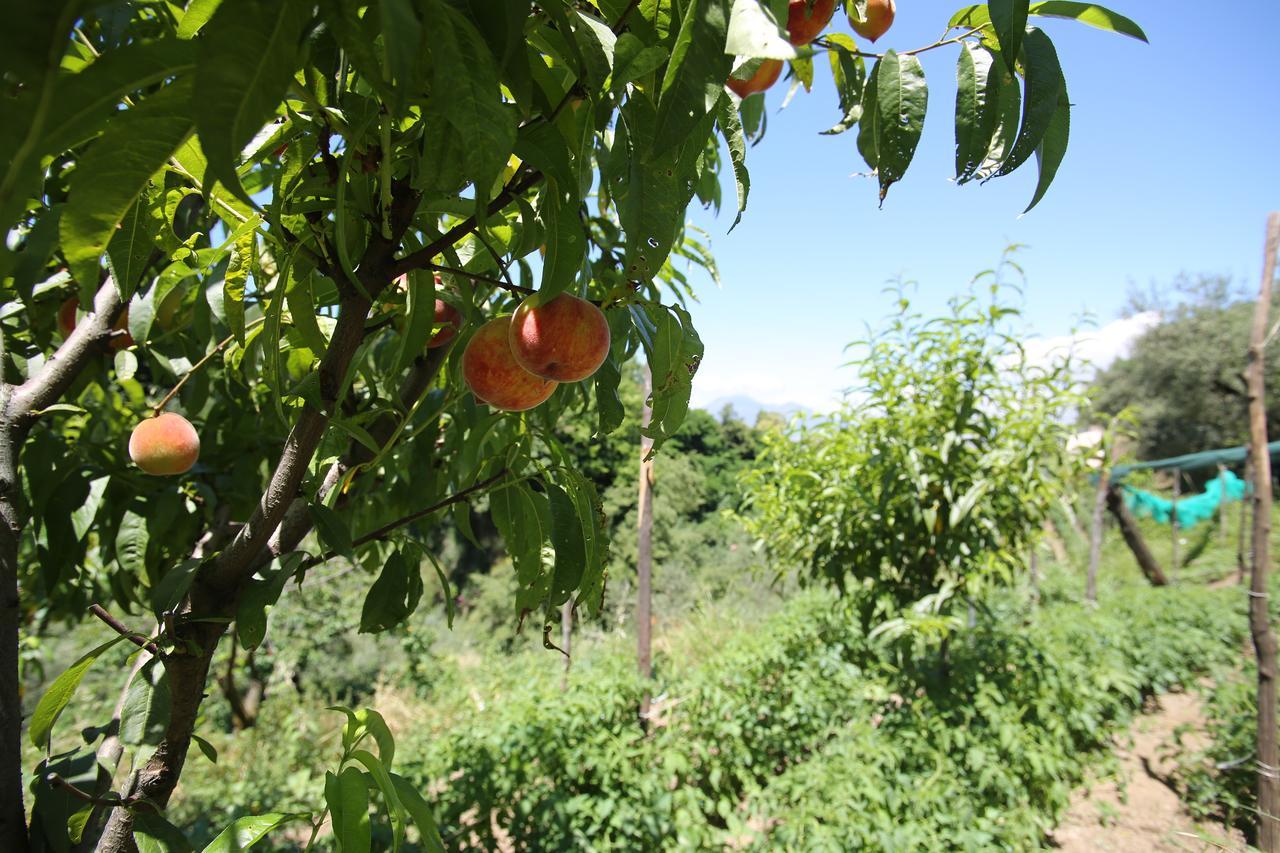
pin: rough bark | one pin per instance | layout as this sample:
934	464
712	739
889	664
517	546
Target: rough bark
19	409
644	554
277	523
1264	639
13	825
1129	530
217	585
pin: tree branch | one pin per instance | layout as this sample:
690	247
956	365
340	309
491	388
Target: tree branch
390	527
138	639
56	375
297	520
421	259
505	285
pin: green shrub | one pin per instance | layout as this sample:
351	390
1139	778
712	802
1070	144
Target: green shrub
1220	780
800	734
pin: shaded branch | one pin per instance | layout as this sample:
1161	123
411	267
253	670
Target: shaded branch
53	379
389	528
138	639
56	781
195	368
506	284
421	259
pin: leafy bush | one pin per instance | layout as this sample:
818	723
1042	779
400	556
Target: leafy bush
932	477
1220	780
799	733
990	760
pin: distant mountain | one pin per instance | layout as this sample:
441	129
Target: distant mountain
746	409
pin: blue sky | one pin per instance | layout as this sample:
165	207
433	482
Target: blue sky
1173	163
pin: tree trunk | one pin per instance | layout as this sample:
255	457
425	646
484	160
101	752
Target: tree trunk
1264	640
18	412
644	554
1129	529
156	780
13	820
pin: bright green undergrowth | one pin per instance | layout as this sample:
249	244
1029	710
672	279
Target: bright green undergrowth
793	732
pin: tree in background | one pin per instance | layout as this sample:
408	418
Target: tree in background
231	214
1183	379
931	480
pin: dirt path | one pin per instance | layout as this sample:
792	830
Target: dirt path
1137	810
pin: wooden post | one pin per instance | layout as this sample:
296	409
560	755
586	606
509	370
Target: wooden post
1264	639
1222	504
1033	569
1173	517
1095	525
566	640
1059	548
1129	529
644	553
1241	561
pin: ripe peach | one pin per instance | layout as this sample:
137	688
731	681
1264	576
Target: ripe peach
448	317
566	339
766	75
67	316
167	444
493	374
878	20
805	24
67	324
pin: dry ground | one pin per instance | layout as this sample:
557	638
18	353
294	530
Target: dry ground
1138	809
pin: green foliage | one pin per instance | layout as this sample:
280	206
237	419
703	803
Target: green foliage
798	734
1182	377
247	180
1220	780
931	479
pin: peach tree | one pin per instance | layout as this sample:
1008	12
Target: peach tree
254	246
932	479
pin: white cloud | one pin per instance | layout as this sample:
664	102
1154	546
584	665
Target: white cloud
814	378
1098	347
770	381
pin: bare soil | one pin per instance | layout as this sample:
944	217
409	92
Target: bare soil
1138	809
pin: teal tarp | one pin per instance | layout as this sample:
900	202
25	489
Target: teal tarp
1191	510
1191	461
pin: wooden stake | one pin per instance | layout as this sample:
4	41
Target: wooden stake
566	640
1264	639
1095	527
1241	561
1222	504
644	554
1173	517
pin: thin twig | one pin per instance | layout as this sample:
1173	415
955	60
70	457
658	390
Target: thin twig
195	368
505	285
386	529
56	781
913	52
135	637
505	269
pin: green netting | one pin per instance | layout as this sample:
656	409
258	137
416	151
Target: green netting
1192	461
1191	510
